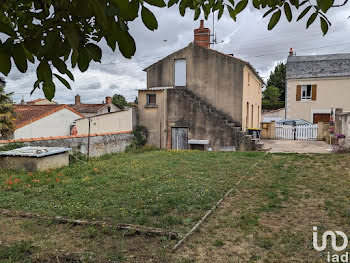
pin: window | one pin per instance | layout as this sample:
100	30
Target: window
306	92
151	99
109	109
180	72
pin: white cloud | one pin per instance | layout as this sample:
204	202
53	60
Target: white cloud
248	39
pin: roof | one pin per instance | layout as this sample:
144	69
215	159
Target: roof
32	113
87	108
37	100
211	50
318	66
35	151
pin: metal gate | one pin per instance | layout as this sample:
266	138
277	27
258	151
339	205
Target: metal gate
179	138
302	132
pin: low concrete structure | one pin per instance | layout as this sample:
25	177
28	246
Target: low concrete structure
35	158
273	115
296	146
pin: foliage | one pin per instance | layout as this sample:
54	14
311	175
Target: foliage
52	33
119	101
7	114
271	98
11	146
139	139
136	101
17	252
278	79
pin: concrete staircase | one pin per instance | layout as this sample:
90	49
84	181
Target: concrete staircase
242	141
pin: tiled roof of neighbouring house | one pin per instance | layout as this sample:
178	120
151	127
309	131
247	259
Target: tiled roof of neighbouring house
31	113
87	108
318	66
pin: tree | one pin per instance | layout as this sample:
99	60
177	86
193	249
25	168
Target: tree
278	79
119	101
54	33
271	98
7	113
136	101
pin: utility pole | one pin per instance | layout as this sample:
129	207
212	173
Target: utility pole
88	149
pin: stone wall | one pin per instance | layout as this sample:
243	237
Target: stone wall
100	144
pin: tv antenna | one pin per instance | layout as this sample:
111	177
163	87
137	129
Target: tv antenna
214	42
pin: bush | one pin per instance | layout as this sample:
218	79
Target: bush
11	146
139	140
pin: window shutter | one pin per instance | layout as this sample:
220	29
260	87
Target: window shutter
298	97
313	92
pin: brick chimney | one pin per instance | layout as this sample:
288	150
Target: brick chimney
202	36
108	100
77	99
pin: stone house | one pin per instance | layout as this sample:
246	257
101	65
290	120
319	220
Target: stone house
88	109
315	84
199	98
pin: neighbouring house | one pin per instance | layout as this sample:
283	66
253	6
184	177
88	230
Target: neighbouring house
40	102
315	84
89	110
37	121
273	115
200	98
119	121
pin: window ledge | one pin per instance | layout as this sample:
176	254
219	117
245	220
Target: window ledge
151	106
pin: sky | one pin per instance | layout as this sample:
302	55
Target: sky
248	39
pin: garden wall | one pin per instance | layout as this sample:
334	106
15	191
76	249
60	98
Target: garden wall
102	143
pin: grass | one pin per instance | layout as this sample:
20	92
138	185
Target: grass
170	190
268	218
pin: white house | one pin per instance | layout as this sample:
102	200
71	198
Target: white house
37	121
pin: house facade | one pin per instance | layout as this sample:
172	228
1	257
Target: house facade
89	109
315	84
37	121
200	96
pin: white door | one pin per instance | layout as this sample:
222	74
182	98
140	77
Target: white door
180	72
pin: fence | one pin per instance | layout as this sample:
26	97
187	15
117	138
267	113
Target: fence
303	132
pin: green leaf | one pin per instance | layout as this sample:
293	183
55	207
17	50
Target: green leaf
19	56
44	72
100	13
74	58
172	2
149	19
269	11
306	10
240	6
49	90
325	4
94	52
197	13
311	19
29	55
159	3
72	35
274	19
83	60
288	11
6	29
256	4
231	12
126	43
70	75
324	25
5	62
64	82
221	11
60	65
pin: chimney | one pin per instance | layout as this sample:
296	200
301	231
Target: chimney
202	36
291	52
108	100
77	99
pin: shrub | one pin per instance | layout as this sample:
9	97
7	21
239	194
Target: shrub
11	146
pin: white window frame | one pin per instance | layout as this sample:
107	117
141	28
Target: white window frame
304	88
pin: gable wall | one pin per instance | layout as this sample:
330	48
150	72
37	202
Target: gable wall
215	78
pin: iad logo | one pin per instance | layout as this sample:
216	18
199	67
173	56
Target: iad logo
333	237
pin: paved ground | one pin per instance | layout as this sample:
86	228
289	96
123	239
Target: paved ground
297	146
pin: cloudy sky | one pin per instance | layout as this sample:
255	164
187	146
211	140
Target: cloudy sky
248	38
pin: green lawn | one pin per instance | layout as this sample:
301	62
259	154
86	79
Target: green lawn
268	218
170	190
